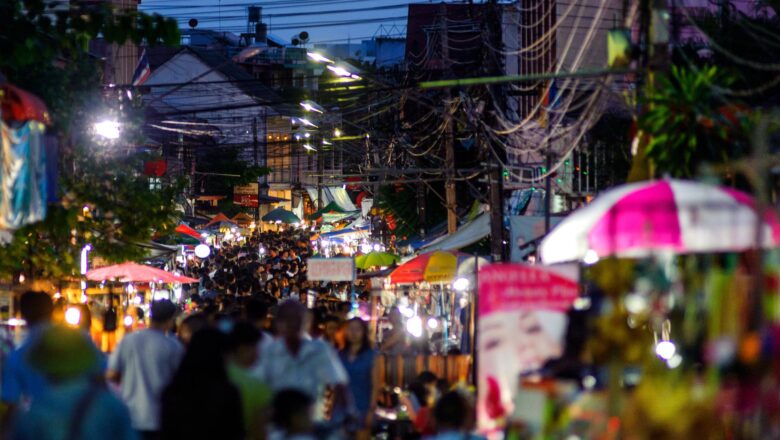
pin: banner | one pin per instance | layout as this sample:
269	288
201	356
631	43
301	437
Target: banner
522	324
331	269
525	228
245	195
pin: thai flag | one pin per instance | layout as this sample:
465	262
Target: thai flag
142	71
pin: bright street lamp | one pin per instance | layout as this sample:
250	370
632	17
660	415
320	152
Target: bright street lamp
107	129
337	133
311	106
307	122
318	57
342	72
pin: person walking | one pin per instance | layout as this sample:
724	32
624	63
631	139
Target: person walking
454	417
359	360
22	382
201	402
78	405
143	365
307	365
255	395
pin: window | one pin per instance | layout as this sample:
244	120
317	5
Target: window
155	183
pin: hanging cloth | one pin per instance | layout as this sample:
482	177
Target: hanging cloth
23	181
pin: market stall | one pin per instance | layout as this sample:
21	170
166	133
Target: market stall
675	298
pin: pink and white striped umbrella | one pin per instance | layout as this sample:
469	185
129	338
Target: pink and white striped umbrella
639	219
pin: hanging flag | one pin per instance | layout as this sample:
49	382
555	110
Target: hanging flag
142	70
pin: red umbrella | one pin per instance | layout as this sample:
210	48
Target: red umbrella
186	230
136	273
20	105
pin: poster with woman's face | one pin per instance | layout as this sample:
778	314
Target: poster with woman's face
522	323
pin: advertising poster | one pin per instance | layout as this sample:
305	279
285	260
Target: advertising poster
522	324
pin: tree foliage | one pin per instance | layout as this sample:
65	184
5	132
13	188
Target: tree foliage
105	200
689	123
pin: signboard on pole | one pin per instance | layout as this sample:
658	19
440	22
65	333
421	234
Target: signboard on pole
245	195
331	269
522	324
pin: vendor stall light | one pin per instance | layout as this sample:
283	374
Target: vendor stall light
433	323
665	350
461	284
340	71
84	298
311	106
57	295
128	321
582	303
376	247
22	278
161	294
202	251
309	147
414	326
318	57
107	129
406	311
674	362
73	316
588	382
325	243
337	133
16	322
324	142
307	123
262	250
591	257
137	300
636	303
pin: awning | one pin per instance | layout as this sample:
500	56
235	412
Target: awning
333	194
469	233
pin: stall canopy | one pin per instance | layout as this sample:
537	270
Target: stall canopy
331	194
219	218
136	273
467	234
186	230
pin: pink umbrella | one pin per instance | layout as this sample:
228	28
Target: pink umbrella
639	219
136	273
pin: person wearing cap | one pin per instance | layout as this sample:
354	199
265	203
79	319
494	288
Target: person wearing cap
77	405
143	365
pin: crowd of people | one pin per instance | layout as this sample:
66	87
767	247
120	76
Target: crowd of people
258	352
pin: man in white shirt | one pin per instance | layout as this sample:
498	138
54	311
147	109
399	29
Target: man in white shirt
293	361
143	365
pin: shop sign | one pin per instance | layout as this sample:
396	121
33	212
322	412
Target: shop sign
331	269
245	195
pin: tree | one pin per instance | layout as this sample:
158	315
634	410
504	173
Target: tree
689	123
105	200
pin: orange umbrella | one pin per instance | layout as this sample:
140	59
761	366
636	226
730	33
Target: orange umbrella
433	267
136	273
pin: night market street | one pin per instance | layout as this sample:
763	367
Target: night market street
369	219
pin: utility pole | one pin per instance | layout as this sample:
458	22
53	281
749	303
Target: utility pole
320	171
256	147
547	184
449	147
495	178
